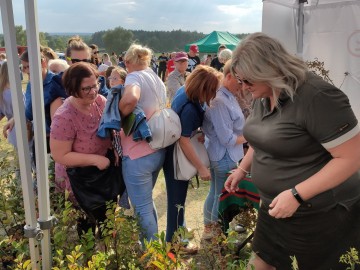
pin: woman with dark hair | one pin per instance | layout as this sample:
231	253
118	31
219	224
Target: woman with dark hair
189	103
77	51
304	159
73	139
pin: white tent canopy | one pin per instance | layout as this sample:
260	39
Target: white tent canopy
331	33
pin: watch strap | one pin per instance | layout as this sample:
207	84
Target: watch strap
297	195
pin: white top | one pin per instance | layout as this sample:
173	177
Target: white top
153	91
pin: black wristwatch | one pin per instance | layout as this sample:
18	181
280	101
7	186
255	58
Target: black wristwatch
297	195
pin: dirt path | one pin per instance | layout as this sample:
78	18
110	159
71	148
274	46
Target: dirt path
194	205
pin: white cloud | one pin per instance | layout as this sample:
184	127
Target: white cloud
234	10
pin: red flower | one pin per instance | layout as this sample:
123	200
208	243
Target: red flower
171	256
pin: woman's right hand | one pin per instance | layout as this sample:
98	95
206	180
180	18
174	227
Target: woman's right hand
204	173
102	162
231	184
8	127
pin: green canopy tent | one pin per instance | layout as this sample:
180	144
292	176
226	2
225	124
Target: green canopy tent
211	42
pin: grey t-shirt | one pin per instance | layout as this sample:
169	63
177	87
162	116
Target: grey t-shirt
290	142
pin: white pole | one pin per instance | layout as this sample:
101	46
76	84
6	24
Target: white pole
37	96
31	229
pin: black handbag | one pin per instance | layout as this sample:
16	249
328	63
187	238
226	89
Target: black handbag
92	187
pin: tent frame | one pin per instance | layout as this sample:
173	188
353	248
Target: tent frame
39	230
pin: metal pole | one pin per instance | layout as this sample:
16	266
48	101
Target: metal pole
31	229
37	96
300	36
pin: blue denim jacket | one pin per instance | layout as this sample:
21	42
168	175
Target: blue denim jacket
104	91
111	118
50	94
58	90
141	129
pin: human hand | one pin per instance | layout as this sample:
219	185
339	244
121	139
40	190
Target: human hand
102	162
204	174
201	138
231	184
284	205
8	127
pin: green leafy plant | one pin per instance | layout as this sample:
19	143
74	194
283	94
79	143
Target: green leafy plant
350	258
120	234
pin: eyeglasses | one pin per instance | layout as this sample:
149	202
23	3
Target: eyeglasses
113	78
242	81
87	89
74	60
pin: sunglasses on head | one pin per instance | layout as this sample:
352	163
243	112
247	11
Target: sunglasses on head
74	60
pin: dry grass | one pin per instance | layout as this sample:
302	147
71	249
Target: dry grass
193	206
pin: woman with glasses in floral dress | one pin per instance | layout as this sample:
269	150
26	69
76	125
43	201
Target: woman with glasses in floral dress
73	137
77	51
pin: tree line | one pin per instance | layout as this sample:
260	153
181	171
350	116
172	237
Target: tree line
119	39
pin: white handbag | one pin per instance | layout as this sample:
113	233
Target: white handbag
164	124
165	127
183	169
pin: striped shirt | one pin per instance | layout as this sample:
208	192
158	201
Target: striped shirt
223	123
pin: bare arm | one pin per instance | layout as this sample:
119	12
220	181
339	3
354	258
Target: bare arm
191	155
240	140
8	126
62	153
55	105
345	162
129	100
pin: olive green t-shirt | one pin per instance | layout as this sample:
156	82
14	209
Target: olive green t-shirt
290	142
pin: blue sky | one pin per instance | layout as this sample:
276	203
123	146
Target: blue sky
235	16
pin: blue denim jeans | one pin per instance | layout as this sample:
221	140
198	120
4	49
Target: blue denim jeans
176	195
140	176
218	170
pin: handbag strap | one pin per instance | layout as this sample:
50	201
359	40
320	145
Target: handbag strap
197	182
162	103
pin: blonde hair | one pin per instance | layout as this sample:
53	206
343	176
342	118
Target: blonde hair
48	53
4	80
260	58
138	55
202	84
76	43
227	68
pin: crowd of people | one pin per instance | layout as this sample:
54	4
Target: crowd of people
304	140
